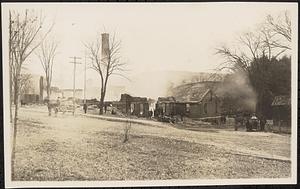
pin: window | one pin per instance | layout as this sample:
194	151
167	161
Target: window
131	108
205	108
188	107
141	109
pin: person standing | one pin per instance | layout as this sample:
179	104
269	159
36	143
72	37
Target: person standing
85	107
248	127
105	108
236	122
57	106
262	123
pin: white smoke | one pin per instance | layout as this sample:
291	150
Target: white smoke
238	86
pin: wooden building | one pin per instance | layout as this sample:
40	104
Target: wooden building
208	105
203	104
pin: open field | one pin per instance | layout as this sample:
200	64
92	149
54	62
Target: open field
81	148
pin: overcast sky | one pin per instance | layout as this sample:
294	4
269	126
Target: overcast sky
154	37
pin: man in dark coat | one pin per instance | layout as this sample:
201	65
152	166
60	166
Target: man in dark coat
262	123
248	126
85	107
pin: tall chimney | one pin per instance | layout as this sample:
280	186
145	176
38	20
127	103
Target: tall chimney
105	47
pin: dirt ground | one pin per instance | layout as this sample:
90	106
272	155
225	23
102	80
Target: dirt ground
81	148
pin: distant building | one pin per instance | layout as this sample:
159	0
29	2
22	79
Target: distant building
68	93
137	106
32	89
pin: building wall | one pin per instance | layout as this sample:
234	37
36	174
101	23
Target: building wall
195	111
180	109
33	90
122	106
172	108
30	99
139	109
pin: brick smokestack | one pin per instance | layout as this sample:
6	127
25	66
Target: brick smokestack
105	47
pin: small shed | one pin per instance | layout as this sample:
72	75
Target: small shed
281	107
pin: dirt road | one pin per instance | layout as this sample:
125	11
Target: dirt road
81	148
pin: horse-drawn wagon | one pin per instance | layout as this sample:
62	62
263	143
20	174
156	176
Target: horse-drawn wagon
59	106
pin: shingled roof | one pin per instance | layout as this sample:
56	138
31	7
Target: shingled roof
282	100
191	93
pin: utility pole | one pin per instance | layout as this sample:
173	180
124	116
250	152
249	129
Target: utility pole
74	63
84	93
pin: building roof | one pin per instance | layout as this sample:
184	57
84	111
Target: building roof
166	99
193	91
282	100
204	94
193	94
196	96
127	97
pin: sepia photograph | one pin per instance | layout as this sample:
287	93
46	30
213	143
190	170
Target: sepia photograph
149	94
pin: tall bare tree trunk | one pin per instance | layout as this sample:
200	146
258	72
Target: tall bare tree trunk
10	95
101	105
48	95
16	101
107	63
48	87
10	70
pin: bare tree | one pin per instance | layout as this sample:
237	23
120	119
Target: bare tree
107	63
23	40
281	26
25	83
253	43
233	61
271	39
256	50
46	55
